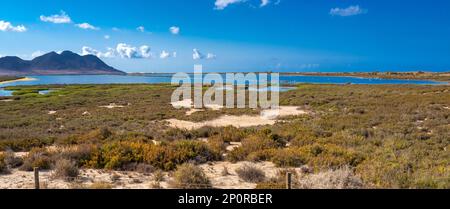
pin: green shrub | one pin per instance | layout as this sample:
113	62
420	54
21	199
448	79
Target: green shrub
117	155
189	176
37	158
11	160
317	156
3	166
258	145
289	157
80	154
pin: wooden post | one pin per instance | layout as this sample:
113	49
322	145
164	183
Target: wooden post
288	180
36	178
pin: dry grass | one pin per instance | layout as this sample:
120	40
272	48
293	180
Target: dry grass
251	174
66	169
343	178
189	176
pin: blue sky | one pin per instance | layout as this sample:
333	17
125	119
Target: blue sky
235	35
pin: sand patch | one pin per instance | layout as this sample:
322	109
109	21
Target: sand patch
232	181
119	180
188	104
19	80
133	180
267	117
6	100
51	112
233	145
192	111
112	106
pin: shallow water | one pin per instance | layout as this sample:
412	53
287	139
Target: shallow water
166	78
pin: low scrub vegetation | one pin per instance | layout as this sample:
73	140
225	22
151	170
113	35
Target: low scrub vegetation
189	176
3	165
116	155
342	178
66	169
389	136
251	174
37	158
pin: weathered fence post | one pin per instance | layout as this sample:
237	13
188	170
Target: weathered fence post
288	180
36	178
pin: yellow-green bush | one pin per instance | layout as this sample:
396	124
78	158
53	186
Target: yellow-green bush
37	157
3	165
256	144
116	155
289	157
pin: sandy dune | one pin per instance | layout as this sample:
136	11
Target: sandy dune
267	117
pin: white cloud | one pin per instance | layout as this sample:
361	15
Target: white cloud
7	26
87	26
174	54
106	37
145	51
222	4
57	19
164	54
197	55
141	29
349	11
115	29
110	52
131	52
174	30
122	50
264	3
210	56
127	51
36	54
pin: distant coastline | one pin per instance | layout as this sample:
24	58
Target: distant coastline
419	75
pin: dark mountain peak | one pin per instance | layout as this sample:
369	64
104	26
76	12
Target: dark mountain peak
11	58
68	53
67	62
13	63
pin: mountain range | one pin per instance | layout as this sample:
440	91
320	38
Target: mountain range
65	63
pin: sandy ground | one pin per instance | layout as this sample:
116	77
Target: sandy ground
267	117
18	80
112	106
133	180
188	104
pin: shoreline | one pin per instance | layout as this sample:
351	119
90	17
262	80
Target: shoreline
440	77
18	80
